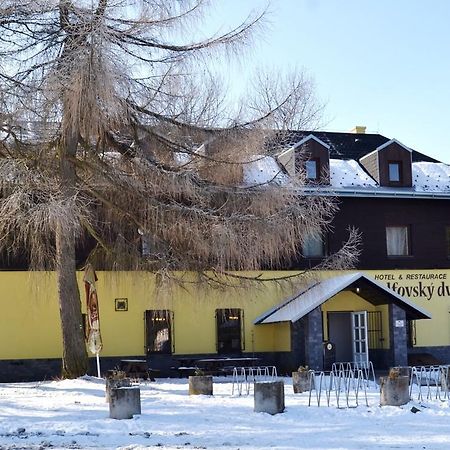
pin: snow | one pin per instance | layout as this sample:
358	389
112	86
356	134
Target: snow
74	414
431	176
426	176
261	170
348	173
181	159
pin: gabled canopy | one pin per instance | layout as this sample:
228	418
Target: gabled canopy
302	303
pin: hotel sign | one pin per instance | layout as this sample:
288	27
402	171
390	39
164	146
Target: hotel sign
425	285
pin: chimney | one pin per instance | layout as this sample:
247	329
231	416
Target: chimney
359	129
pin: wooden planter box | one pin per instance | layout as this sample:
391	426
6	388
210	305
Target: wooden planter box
201	385
394	391
301	382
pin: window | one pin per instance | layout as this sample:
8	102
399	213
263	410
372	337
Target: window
395	172
411	333
447	238
314	246
229	330
375	329
312	169
397	241
158	328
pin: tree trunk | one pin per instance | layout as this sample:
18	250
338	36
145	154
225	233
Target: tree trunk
75	358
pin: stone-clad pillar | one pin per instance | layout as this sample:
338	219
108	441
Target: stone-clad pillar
314	339
398	336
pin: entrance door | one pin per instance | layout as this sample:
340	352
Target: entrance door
359	333
340	334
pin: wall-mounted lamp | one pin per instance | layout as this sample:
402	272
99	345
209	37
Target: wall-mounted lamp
357	290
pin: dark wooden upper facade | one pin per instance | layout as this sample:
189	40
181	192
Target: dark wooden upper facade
392	202
427	220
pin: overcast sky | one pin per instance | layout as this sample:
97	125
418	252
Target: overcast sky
384	64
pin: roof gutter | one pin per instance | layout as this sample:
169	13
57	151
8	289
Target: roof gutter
376	193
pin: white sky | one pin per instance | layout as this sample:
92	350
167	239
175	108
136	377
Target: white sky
383	64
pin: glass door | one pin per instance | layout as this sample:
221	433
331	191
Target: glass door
359	333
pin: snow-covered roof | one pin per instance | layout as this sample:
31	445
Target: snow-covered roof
392	141
431	177
348	178
262	169
348	173
308	138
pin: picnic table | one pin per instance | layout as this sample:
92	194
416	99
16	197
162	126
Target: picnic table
222	366
137	368
213	366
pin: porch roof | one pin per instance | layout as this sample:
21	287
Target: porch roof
302	303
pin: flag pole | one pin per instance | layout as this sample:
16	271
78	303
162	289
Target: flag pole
98	366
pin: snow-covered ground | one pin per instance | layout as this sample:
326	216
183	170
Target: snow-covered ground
73	414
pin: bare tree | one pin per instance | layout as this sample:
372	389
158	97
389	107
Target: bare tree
110	149
291	97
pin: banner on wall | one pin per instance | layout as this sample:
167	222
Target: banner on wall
93	336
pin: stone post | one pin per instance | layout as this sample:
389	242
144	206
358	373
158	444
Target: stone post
314	339
112	383
124	402
269	397
398	336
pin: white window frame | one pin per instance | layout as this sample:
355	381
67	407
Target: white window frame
397	240
312	168
314	242
398	172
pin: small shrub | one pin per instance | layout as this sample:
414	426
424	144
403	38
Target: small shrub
394	373
118	374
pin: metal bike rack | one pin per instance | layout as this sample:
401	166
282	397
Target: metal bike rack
244	377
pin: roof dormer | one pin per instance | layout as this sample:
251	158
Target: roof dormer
390	164
310	156
313	157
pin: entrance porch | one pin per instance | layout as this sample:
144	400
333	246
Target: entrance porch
332	317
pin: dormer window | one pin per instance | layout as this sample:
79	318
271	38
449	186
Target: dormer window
311	159
395	173
312	169
390	164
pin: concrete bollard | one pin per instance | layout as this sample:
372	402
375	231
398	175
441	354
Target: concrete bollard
124	402
394	391
269	397
113	384
201	385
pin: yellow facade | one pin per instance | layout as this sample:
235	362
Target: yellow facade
31	325
30	317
